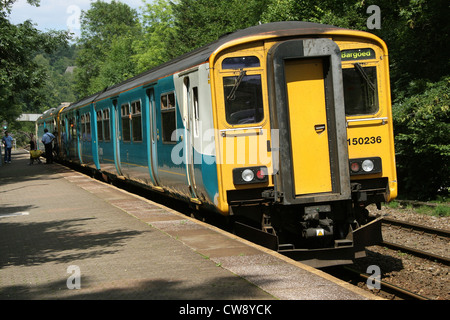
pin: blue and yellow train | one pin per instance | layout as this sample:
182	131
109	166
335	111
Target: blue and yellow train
285	128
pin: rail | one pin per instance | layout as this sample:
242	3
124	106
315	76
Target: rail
419	228
399	292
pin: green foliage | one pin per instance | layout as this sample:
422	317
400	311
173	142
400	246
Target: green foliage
417	35
345	13
422	126
199	22
105	46
58	83
21	77
153	47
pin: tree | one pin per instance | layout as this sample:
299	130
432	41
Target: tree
21	78
59	83
105	46
416	33
198	22
422	125
156	44
345	13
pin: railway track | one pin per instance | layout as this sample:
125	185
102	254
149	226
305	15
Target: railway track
395	292
388	286
415	203
420	229
416	227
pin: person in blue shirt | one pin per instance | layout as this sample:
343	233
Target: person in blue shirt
47	139
7	142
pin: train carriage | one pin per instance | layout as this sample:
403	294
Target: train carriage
285	127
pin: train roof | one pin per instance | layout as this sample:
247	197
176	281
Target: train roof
53	111
202	54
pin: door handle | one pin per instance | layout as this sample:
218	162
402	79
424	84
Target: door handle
319	128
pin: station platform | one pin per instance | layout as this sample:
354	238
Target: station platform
64	235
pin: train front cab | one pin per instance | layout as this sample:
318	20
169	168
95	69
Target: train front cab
285	141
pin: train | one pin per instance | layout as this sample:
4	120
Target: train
283	128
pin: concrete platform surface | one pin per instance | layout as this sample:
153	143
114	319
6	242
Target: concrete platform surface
64	235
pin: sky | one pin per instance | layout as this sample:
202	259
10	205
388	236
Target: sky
56	14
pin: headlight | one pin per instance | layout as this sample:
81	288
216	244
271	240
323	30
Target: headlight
247	175
367	165
250	175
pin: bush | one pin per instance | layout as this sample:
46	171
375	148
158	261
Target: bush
422	137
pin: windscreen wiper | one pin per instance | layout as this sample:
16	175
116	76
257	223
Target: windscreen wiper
365	76
232	95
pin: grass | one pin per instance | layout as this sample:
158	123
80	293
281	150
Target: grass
438	211
442	208
393	205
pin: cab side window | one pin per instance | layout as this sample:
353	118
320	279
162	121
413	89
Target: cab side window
243	91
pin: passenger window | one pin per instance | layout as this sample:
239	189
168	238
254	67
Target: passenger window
88	126
125	111
73	128
243	99
136	120
63	129
168	117
360	90
99	125
83	130
107	135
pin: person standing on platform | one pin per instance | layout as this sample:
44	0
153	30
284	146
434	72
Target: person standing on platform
33	147
7	142
47	139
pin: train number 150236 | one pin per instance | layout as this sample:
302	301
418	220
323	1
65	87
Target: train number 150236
364	140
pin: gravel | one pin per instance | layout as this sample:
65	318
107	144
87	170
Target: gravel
421	276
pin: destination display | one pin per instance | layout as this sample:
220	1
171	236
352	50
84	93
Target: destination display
357	54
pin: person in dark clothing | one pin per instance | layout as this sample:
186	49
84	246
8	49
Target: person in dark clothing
8	143
33	147
47	139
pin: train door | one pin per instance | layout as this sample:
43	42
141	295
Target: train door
72	137
307	99
78	137
151	138
86	138
190	105
95	136
309	136
116	136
